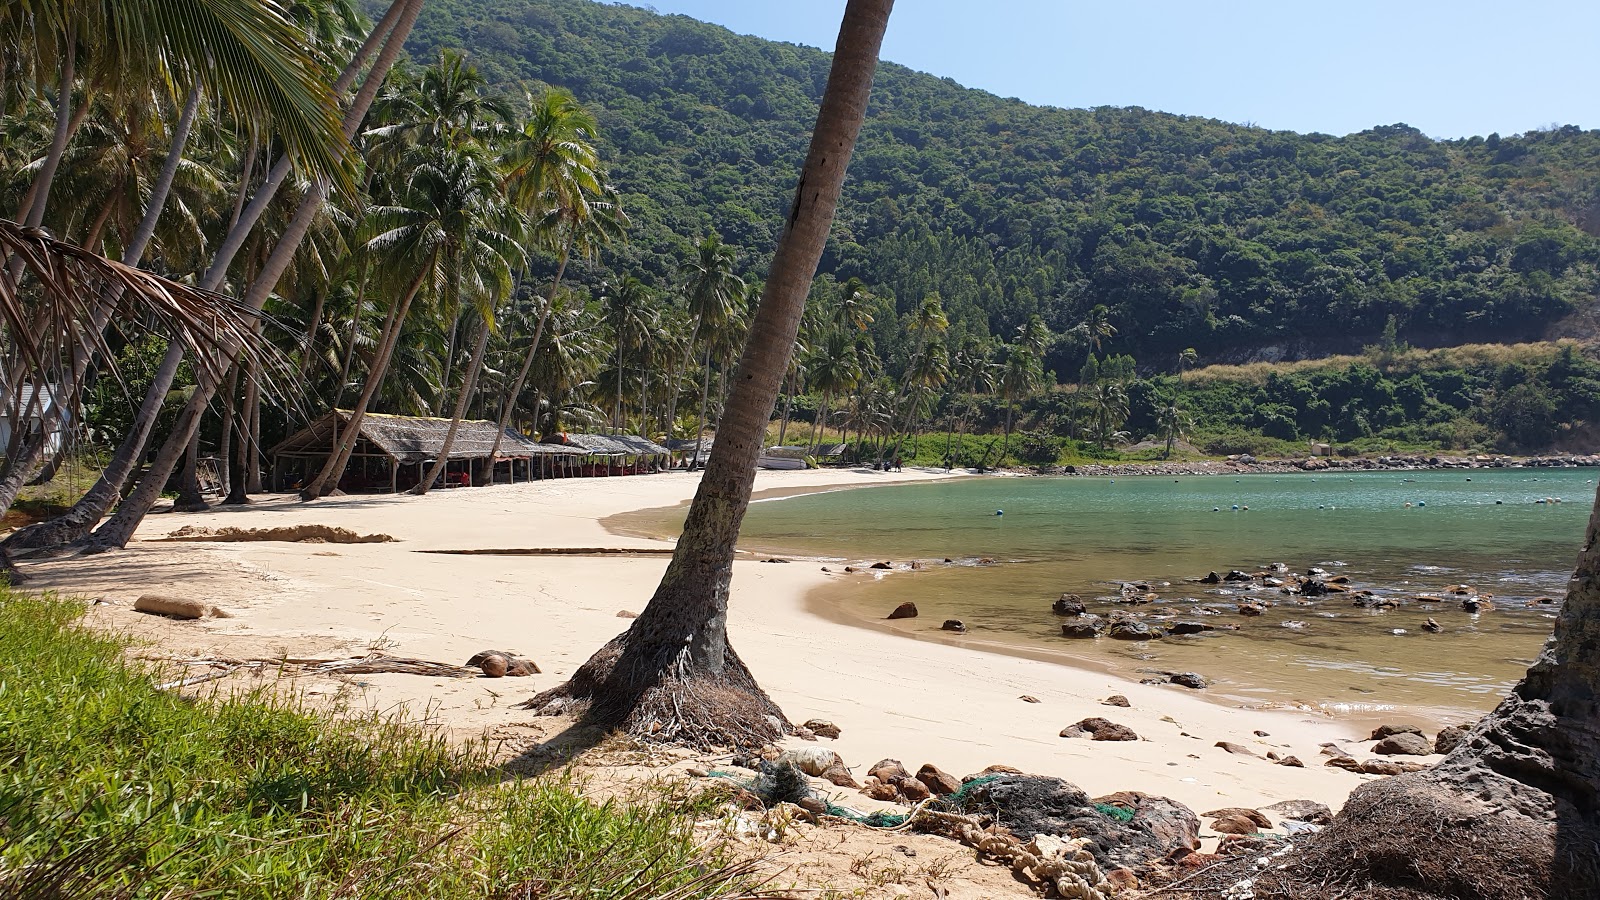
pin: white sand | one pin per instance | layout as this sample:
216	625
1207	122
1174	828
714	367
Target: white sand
916	701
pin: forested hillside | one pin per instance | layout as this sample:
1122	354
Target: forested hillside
1237	241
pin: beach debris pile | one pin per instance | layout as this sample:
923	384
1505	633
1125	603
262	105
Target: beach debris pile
295	534
1049	831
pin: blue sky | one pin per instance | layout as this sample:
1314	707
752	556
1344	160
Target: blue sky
1452	69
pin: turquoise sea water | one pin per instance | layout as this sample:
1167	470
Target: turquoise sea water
1482	528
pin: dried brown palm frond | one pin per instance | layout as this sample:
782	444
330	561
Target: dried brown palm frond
47	318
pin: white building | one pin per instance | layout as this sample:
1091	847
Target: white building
33	414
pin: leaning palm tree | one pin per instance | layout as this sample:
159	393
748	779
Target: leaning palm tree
673	675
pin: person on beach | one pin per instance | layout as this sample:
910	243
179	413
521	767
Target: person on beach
897	462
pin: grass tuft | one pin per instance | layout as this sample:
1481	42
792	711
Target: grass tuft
110	787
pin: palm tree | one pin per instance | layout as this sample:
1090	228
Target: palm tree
1110	401
835	368
554	176
1020	376
928	320
673	675
1172	423
1096	328
629	309
714	292
971	372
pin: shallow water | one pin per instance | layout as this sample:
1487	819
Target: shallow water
1482	528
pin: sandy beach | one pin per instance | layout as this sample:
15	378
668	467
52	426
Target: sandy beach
941	702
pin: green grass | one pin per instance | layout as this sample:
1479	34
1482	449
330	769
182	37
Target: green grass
138	792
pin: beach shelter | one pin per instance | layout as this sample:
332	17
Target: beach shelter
611	454
394	452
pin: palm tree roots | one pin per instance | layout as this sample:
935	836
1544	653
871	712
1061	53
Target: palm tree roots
655	691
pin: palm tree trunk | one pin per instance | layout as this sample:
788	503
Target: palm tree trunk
788	405
510	402
190	497
252	444
39	193
1005	445
673	675
821	417
230	410
328	479
470	381
705	400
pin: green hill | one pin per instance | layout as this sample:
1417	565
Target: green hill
1241	242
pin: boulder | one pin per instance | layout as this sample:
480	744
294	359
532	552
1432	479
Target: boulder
1173	823
1187	627
1374	766
955	625
906	610
1309	811
1450	737
880	565
1236	575
1098	729
1383	731
1191	680
1132	630
822	728
1432	627
1031	805
1068	605
1082	627
937	780
1234	825
839	776
1292	762
1237	749
811	760
1405	743
1255	817
913	789
1251	608
1116	700
879	790
1211	578
888	770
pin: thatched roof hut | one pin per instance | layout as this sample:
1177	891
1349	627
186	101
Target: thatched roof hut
391	444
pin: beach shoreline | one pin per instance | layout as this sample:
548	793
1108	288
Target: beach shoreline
959	707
